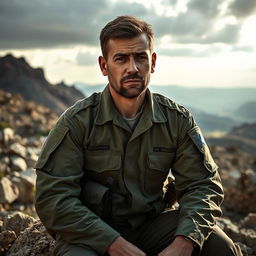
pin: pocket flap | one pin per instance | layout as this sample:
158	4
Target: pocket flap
160	161
100	161
53	140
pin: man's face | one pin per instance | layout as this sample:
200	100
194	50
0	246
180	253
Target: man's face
129	65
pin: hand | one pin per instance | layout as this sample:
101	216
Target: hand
179	247
121	247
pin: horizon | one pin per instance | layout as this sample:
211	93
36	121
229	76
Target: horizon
199	43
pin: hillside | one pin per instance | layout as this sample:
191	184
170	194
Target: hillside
242	137
246	111
17	76
26	118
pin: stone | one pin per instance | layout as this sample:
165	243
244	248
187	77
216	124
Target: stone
31	160
18	149
18	222
245	249
7	237
26	186
249	221
7	135
34	241
29	174
8	191
249	237
18	163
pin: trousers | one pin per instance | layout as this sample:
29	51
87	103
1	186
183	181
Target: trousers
155	236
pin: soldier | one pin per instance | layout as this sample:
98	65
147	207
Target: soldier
101	171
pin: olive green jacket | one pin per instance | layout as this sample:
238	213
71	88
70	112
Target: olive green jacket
92	145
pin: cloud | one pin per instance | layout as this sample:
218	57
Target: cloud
244	48
242	8
209	8
191	52
86	58
53	23
35	24
62	23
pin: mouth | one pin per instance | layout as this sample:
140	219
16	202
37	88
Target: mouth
132	81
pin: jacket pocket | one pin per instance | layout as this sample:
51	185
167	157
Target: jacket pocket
198	139
159	165
52	142
100	165
102	161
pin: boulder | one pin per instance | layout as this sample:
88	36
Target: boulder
18	149
18	222
18	163
7	237
6	135
34	241
249	221
8	191
25	182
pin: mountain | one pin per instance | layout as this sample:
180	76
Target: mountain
247	111
242	137
17	76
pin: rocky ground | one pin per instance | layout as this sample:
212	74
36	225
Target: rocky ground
21	232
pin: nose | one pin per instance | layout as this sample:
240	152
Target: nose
132	67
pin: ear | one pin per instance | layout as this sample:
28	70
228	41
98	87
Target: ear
103	65
153	62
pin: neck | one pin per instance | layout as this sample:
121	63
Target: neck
128	107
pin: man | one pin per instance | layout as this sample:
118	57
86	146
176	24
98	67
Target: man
101	171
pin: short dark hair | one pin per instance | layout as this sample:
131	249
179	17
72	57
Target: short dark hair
125	27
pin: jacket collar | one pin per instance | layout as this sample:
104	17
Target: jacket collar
108	112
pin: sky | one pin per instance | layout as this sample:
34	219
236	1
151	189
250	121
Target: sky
199	43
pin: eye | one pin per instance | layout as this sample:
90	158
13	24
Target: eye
142	57
120	59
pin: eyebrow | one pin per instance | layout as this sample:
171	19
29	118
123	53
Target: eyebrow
127	54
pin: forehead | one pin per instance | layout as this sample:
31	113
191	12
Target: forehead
128	45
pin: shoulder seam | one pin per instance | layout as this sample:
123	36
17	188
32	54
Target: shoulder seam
170	104
82	104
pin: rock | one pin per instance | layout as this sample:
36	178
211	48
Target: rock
30	174
18	149
7	237
7	135
248	236
18	222
245	249
239	192
8	191
18	163
34	241
26	186
249	221
31	160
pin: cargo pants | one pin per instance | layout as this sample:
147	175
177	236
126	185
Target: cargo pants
156	235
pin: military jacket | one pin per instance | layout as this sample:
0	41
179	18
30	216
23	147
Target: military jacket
91	150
